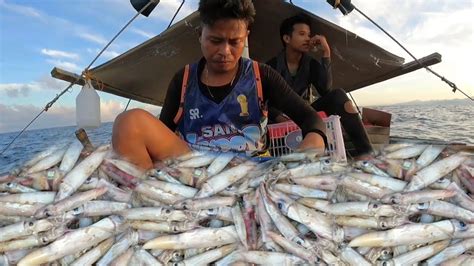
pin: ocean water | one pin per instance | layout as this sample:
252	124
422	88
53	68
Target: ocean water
34	141
445	122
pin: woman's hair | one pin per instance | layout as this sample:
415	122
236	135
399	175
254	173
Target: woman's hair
286	27
213	10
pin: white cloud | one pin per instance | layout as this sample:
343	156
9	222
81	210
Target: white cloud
17	90
65	65
166	10
110	109
59	54
92	37
23	10
16	117
107	54
143	33
50	83
423	27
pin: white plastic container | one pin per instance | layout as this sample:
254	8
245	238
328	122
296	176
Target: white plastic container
336	149
286	136
88	107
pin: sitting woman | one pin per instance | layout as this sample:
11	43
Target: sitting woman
220	101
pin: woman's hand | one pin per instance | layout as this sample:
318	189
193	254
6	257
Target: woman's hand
312	141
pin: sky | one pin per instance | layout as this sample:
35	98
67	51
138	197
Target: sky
37	35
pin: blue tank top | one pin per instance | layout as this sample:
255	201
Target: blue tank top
236	123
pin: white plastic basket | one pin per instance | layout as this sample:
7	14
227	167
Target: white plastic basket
285	137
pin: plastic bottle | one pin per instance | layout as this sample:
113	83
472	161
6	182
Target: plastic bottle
88	107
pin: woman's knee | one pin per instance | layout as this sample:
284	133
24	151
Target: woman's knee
338	96
130	123
132	119
340	99
132	116
349	107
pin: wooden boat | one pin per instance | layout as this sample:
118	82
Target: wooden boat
143	73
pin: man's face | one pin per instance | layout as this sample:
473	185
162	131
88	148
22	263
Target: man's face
299	38
222	44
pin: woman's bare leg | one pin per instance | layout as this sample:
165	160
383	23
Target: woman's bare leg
143	139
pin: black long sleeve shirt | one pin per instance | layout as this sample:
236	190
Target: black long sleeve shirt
276	92
320	76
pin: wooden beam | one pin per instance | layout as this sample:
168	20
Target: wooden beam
73	77
404	69
67	76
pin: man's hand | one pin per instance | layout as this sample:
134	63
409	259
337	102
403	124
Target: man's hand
312	141
321	40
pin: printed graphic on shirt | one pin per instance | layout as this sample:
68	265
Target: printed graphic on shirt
244	105
226	137
234	123
194	114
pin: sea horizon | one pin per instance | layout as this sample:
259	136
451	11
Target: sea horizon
408	103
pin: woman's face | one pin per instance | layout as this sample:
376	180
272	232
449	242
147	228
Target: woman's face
222	44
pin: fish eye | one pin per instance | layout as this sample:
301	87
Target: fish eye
44	240
327	161
393	200
318	260
462	224
31	223
280	205
383	225
299	242
365	163
210	210
10	184
375	205
167	211
422	206
177	255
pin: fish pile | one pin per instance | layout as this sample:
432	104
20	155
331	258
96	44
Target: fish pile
80	205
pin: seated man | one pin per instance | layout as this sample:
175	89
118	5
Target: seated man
303	72
218	102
